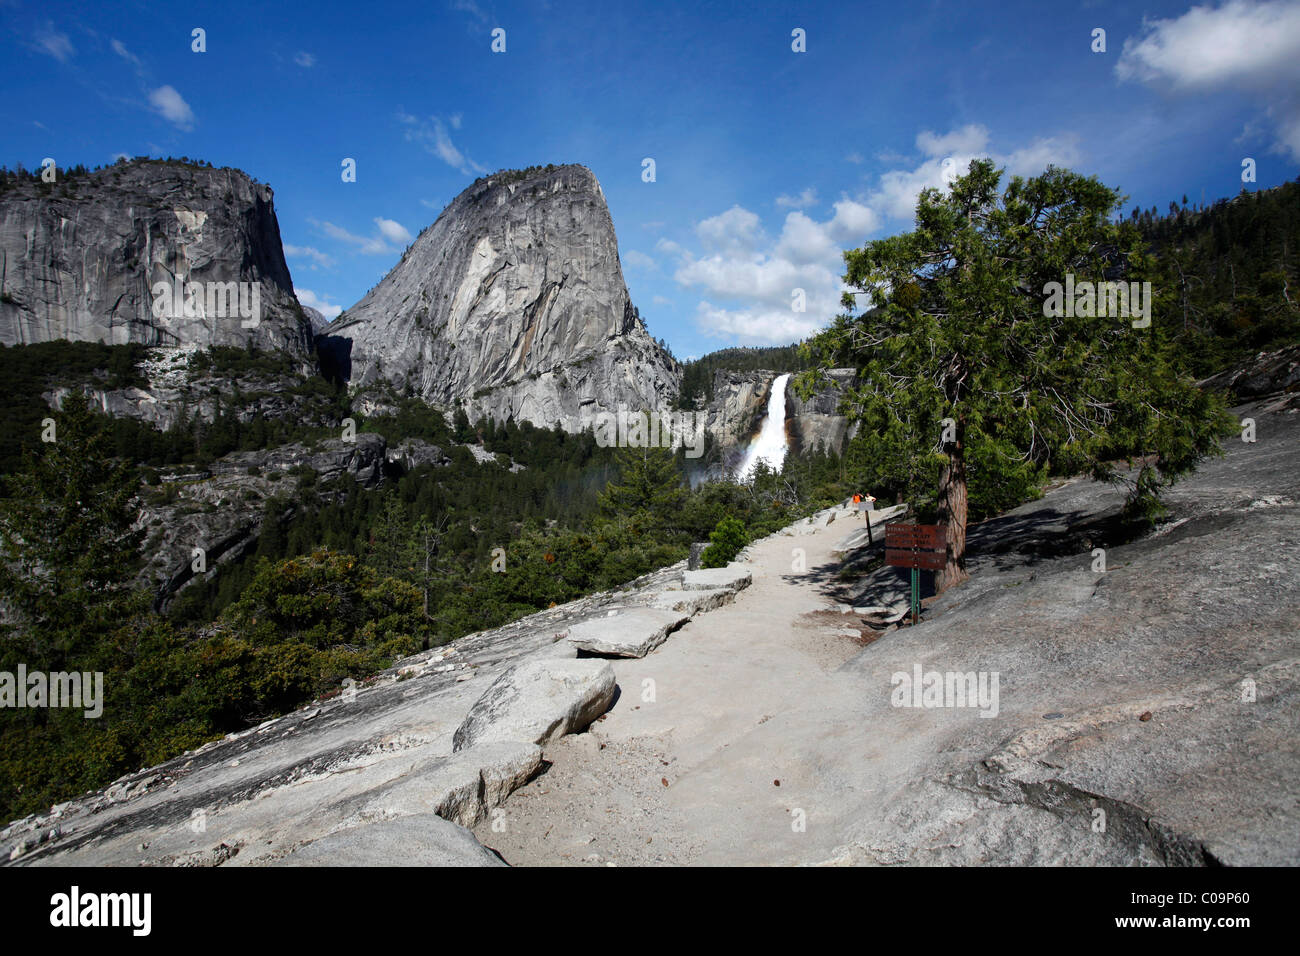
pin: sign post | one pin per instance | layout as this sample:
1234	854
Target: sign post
916	546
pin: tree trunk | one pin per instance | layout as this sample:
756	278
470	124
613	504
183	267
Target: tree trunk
952	513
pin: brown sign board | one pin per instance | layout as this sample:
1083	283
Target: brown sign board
916	546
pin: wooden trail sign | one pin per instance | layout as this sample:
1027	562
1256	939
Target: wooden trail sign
916	546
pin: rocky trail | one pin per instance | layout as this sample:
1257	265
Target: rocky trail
1122	733
1145	714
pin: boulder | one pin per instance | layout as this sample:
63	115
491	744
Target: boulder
630	632
537	701
697	552
414	452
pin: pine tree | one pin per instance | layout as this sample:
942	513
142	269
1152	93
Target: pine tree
648	481
69	548
960	364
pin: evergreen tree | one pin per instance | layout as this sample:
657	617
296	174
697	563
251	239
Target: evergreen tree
68	545
960	363
648	481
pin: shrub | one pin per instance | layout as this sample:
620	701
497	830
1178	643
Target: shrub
727	540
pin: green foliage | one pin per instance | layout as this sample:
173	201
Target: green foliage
727	540
648	481
296	632
1227	276
67	542
958	333
29	371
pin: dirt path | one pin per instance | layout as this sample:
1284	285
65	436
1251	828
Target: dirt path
669	775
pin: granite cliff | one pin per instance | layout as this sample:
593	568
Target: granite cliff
80	259
511	304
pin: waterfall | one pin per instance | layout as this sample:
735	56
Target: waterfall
770	444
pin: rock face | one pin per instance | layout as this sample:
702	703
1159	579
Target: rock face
735	414
739	402
817	423
511	304
221	508
1265	374
79	258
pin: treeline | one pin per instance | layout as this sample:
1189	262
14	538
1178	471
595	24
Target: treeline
698	374
1227	275
71	175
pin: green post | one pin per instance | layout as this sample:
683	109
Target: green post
916	595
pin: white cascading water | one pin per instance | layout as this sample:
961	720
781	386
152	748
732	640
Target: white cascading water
769	447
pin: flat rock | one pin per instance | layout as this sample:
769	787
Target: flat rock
632	632
416	840
537	701
691	602
461	787
732	577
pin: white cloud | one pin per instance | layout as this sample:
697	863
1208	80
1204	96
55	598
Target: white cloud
756	326
313	301
1242	43
433	136
125	54
758	278
802	201
970	139
746	279
660	300
309	252
639	260
374	245
392	231
734	231
804	240
51	41
171	107
855	158
304	59
895	196
1243	46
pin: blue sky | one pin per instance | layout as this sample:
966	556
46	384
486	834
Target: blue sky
768	162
